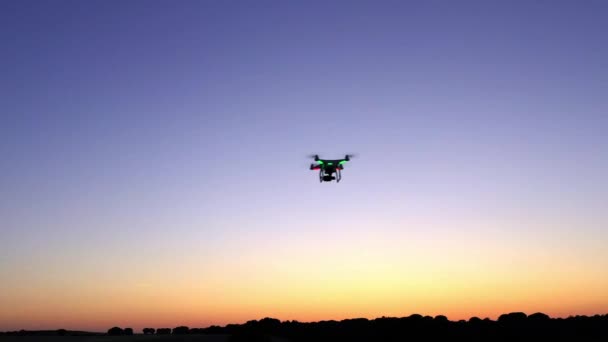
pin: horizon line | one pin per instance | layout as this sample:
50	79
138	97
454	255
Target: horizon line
417	315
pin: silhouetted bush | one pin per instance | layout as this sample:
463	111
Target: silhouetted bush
61	332
513	318
149	331
115	331
128	331
441	319
415	317
182	330
214	329
475	320
538	317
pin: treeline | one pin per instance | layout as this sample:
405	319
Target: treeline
181	330
512	326
516	326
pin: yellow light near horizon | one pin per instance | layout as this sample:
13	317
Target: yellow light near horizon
364	274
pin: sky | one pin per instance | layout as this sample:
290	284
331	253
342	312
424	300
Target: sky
155	166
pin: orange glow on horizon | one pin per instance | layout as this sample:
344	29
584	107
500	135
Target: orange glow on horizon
374	284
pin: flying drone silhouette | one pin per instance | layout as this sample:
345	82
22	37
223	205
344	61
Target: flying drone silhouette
328	167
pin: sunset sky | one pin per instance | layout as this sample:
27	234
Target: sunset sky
155	170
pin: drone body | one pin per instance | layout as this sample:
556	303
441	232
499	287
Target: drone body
328	167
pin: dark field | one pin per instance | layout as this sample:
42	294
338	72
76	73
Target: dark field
168	338
515	326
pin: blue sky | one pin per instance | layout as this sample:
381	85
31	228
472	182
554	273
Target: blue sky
186	125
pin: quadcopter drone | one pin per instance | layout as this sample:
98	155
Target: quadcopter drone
328	167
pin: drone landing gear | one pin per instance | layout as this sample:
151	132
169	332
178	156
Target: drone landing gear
338	175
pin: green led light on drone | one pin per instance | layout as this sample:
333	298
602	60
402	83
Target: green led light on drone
330	163
342	162
320	161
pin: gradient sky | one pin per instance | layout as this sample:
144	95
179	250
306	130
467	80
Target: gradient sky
155	171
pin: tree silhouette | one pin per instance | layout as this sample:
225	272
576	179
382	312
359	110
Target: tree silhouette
181	330
149	331
513	318
538	317
115	331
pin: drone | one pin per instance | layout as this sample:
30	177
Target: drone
328	167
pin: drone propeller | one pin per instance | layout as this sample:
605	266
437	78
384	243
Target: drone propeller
352	155
314	156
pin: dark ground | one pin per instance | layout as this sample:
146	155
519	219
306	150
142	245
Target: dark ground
137	337
516	326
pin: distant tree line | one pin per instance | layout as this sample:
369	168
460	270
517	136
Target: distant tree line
116	331
516	326
181	330
508	327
